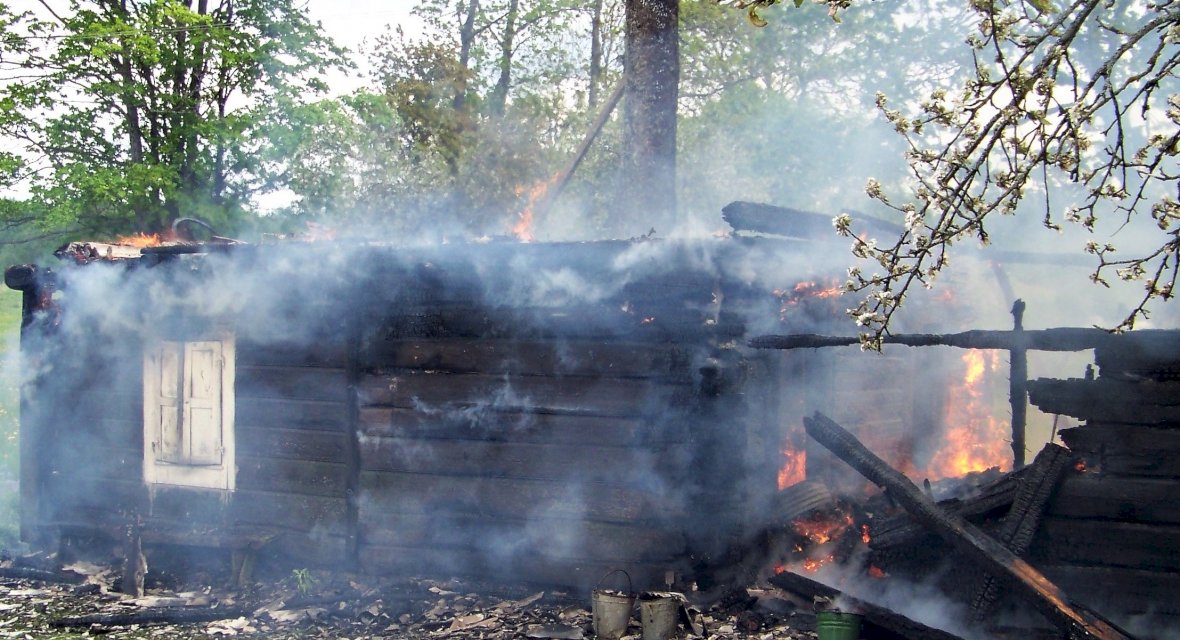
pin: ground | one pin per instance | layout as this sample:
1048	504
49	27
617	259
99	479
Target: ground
82	601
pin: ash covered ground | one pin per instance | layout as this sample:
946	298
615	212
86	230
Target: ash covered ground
82	599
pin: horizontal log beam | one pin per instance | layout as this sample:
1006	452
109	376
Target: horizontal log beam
1061	339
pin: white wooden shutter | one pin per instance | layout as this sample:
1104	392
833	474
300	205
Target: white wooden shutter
202	403
162	375
189	414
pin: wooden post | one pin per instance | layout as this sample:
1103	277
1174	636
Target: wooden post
1018	384
991	556
352	447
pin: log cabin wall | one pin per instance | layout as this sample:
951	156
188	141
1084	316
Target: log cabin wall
431	417
547	443
1112	531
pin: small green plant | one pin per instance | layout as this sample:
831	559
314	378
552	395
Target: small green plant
304	581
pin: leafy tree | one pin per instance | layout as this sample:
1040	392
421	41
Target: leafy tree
461	121
133	114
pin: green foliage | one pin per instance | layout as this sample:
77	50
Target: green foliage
304	581
132	115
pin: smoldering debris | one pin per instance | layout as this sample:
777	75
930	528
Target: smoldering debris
323	604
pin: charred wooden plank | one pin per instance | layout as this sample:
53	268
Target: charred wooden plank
421	493
1146	402
1132	592
1104	497
290	413
441	391
1132	450
548	537
321	351
585	463
637	321
290	444
877	619
329	385
1151	354
293	476
1111	544
985	551
1020	524
518	426
292	512
530	357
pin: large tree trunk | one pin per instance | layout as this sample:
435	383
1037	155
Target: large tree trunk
652	68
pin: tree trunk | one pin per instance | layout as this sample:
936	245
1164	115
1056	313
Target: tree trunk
466	39
500	93
134	125
652	68
595	52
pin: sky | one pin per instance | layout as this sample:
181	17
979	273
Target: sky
351	22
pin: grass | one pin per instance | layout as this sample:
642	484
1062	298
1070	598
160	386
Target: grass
10	315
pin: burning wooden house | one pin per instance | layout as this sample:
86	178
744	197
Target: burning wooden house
538	411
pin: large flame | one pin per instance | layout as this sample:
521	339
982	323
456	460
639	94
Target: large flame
974	439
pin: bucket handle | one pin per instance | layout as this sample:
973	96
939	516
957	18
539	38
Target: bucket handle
611	573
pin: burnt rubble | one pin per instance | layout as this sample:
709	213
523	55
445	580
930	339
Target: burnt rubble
83	598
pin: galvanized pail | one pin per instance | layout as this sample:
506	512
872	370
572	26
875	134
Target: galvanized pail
611	610
659	615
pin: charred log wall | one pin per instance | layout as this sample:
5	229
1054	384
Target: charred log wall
1113	529
435	414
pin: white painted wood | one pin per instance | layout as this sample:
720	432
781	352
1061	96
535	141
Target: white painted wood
189	414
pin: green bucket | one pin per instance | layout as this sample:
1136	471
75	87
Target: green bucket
837	625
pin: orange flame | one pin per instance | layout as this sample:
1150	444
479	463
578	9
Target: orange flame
822	528
876	572
523	229
140	240
794	469
974	438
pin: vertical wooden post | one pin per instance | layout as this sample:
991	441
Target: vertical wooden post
1018	384
352	451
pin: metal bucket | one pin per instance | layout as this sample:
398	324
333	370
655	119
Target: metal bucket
659	615
837	625
611	610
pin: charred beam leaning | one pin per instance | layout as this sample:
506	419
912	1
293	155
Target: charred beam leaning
989	554
1024	517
